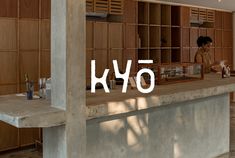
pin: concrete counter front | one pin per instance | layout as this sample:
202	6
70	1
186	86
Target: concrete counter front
186	120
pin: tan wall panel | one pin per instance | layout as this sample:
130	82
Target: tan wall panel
29	34
45	34
45	64
9	136
8	34
101	57
29	64
8	64
89	34
115	55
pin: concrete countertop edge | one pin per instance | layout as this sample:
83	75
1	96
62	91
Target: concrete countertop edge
102	110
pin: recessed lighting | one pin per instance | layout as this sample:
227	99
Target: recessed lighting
219	0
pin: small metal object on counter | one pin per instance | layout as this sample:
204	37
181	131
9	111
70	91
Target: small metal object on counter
42	88
112	82
48	89
29	87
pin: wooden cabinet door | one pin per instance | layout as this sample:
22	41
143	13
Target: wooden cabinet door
101	58
115	35
9	137
193	37
185	17
100	35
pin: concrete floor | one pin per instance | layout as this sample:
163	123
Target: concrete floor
32	153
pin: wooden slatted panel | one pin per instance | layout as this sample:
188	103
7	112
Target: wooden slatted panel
89	5
116	7
194	14
101	6
202	15
210	16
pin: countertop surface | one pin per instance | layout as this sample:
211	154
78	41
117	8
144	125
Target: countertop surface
22	113
104	104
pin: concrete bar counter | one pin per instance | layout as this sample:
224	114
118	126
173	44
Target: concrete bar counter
183	120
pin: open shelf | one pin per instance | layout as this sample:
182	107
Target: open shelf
175	37
165	56
143	10
154	14
175	15
165	15
155	55
165	37
143	36
143	54
175	55
154	36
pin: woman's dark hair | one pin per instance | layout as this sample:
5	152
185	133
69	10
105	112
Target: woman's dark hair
202	40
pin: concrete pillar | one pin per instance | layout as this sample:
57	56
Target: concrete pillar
68	80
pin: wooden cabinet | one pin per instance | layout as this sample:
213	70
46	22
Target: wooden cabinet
100	35
115	35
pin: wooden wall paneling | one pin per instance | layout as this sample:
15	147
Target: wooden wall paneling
185	17
8	8
29	9
185	37
218	38
100	35
228	55
154	37
130	11
45	64
8	38
154	13
130	36
8	89
9	137
185	55
89	34
194	34
211	33
210	15
8	64
89	57
218	19
115	35
29	34
218	54
202	15
212	54
193	52
45	35
202	32
130	54
227	21
116	54
28	136
29	64
45	9
101	57
90	6
194	14
227	40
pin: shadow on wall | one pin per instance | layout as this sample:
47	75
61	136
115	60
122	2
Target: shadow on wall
173	131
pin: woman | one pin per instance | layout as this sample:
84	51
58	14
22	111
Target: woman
203	54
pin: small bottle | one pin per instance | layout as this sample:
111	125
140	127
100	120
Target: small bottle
223	72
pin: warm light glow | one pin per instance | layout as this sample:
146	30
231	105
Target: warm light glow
219	0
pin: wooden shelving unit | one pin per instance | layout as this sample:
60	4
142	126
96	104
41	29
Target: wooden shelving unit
156	39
